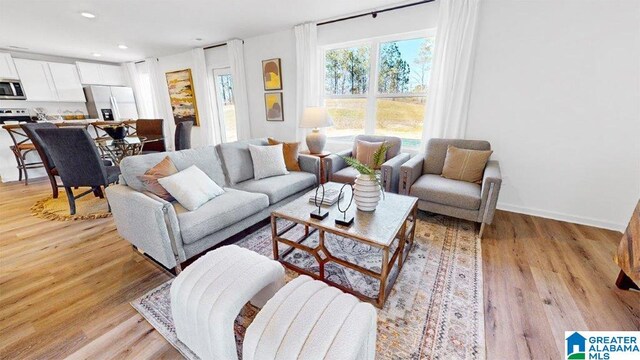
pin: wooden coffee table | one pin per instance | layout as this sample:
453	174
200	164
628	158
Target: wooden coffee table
391	228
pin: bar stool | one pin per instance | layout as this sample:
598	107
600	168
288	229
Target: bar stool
21	148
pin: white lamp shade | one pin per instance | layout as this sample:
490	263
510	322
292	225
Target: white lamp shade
316	117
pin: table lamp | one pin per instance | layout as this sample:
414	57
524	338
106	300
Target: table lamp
315	118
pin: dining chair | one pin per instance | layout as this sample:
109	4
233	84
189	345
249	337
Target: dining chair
152	128
183	135
78	162
47	161
21	148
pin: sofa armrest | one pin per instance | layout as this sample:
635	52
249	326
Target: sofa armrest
391	172
334	163
410	171
310	164
147	223
491	183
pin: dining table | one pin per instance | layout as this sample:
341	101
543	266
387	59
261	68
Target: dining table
118	149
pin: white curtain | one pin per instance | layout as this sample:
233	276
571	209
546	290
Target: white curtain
161	100
134	80
449	88
207	108
236	60
307	72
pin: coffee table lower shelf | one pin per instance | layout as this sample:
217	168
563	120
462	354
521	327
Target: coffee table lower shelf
322	255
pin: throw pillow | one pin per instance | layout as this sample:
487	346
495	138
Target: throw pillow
365	151
191	187
150	178
290	152
267	161
466	165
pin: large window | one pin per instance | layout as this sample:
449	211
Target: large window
226	104
378	86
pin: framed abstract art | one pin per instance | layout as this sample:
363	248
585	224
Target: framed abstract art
183	96
272	74
273	106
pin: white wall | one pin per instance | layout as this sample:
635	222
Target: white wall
276	45
556	90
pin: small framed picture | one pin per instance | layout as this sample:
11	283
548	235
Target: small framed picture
273	106
272	74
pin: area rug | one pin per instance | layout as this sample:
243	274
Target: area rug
434	311
87	207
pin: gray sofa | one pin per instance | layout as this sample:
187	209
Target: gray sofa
169	233
337	169
420	177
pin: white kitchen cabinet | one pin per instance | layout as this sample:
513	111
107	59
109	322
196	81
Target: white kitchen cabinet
100	74
89	73
36	80
112	75
7	67
67	82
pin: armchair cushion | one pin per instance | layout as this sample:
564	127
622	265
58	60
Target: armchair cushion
279	187
346	175
395	143
218	213
440	190
437	152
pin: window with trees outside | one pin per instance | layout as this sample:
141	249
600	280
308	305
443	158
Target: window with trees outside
378	86
226	104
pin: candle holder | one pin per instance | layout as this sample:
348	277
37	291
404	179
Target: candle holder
319	213
345	221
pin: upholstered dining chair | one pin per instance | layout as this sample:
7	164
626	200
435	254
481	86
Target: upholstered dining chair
78	162
47	161
337	169
151	127
183	135
421	177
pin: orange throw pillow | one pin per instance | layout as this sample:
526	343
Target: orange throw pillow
150	178
466	165
290	152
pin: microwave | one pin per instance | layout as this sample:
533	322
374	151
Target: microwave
11	90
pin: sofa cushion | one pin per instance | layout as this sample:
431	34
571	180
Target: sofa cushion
205	158
218	213
236	159
345	175
437	152
279	187
440	190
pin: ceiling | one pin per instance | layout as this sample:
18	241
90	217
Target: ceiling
154	27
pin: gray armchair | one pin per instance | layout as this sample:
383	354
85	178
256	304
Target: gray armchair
337	169
421	177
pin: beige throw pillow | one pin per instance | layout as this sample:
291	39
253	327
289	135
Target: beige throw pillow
150	178
365	151
465	165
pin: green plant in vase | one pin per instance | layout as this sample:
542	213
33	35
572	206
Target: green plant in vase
368	186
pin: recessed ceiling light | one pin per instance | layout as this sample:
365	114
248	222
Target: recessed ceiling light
88	15
97	54
198	39
123	46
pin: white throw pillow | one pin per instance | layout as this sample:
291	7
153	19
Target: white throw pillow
267	161
191	187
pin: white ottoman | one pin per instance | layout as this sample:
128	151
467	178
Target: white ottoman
308	319
208	295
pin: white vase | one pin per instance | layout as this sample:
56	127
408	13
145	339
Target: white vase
366	192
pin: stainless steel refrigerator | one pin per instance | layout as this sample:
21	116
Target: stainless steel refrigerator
111	102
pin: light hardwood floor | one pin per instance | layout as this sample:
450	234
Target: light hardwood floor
65	287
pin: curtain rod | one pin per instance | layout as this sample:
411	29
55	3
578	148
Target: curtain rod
217	45
374	13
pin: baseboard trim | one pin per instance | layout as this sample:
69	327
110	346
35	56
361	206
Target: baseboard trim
563	217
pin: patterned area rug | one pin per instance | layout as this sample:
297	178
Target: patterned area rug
434	311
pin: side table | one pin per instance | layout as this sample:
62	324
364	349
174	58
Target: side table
321	155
